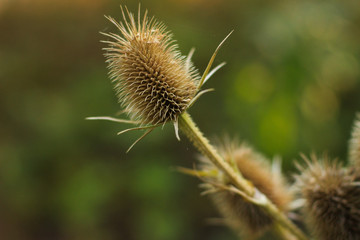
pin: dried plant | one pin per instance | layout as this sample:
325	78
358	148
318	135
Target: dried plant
332	198
153	82
240	214
155	85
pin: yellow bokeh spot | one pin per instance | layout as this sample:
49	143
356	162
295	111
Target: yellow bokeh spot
254	83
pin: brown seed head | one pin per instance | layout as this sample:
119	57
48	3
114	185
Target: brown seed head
354	144
152	80
245	217
332	199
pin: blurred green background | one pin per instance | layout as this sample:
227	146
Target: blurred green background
291	85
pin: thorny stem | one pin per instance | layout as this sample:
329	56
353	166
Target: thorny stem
188	126
283	233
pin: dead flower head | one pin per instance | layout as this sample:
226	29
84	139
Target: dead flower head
154	83
332	199
242	215
152	80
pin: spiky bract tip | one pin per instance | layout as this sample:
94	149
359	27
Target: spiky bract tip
245	217
153	81
332	199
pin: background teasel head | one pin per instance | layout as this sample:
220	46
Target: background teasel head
354	144
240	214
332	199
153	81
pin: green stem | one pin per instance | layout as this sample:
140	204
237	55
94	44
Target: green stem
188	126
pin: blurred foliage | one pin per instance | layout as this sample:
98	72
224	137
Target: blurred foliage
291	84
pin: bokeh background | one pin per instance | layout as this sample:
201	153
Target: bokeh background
291	85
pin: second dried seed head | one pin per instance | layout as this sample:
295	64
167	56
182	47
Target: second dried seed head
242	215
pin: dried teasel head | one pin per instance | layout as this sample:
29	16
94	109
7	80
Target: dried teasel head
332	199
241	215
153	82
354	144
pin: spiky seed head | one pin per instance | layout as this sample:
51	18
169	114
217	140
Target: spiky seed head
332	199
245	217
153	81
354	144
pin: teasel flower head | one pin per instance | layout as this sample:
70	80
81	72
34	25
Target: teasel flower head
354	144
331	196
152	80
242	215
154	83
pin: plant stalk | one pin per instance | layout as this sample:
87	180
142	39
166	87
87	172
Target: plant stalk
188	126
